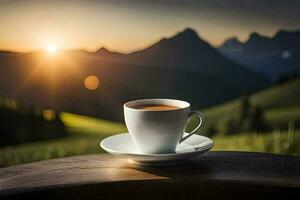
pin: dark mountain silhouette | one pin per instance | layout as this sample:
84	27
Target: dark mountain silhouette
108	55
270	56
7	52
182	67
186	51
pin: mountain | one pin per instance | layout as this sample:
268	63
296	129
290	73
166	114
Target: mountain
186	51
6	52
269	56
181	67
105	54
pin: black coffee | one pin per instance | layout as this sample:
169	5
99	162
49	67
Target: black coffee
155	107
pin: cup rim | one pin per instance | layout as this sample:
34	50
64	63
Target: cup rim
184	104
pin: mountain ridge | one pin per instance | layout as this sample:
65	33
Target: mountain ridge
186	51
269	56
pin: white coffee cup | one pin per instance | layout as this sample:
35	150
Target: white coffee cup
160	131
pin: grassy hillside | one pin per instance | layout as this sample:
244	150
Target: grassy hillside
87	132
85	136
285	142
282	111
281	105
287	94
89	125
284	117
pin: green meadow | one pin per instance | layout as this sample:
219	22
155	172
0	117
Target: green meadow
86	134
281	106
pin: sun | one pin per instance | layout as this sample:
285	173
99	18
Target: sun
52	48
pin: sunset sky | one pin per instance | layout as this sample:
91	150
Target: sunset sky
128	25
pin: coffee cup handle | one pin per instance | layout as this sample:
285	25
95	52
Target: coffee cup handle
200	116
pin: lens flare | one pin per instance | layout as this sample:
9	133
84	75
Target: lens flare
91	82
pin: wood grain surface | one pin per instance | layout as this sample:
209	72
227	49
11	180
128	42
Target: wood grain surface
214	175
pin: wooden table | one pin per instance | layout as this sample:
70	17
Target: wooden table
236	175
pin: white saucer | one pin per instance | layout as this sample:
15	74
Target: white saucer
122	145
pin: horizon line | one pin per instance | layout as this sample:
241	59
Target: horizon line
152	43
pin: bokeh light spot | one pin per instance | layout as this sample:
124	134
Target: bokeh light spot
91	82
49	114
286	54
